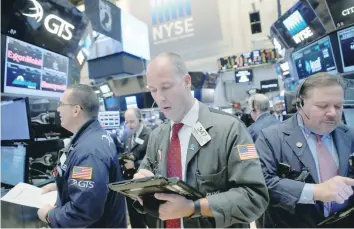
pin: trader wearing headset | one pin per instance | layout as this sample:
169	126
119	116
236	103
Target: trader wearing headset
305	159
135	147
259	106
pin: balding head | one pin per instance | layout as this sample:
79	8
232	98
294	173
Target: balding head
170	85
172	60
133	118
258	104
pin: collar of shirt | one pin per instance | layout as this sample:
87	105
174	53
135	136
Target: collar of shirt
306	130
191	118
261	115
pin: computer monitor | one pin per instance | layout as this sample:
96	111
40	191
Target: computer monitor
349	116
14	165
15	120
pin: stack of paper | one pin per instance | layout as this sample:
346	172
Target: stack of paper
29	195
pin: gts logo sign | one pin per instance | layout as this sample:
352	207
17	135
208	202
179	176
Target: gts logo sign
52	23
82	183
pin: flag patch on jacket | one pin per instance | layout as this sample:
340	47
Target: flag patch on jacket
84	173
247	152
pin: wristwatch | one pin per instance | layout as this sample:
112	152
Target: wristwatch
197	209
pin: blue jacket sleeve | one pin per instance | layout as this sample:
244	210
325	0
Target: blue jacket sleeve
284	193
87	194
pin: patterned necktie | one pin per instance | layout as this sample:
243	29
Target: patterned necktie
174	165
327	165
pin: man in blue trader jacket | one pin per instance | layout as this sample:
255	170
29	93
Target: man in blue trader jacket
306	159
85	169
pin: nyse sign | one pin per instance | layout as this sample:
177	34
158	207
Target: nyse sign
173	31
297	27
171	21
303	35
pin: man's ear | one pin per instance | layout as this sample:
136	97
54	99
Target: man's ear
188	81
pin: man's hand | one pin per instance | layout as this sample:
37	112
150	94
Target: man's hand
129	164
43	212
143	173
337	189
176	206
49	188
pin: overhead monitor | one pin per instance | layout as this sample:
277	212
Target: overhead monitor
314	58
346	46
131	102
14	165
109	119
243	76
31	70
15	120
269	85
105	89
299	25
112	104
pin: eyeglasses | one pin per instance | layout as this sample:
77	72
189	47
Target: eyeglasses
60	104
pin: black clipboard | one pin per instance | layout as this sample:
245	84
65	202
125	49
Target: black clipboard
342	219
155	184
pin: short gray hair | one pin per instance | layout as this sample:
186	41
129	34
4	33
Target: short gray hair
176	61
259	101
86	97
319	80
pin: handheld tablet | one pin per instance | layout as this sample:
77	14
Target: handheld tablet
155	184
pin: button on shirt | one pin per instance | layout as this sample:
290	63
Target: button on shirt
307	193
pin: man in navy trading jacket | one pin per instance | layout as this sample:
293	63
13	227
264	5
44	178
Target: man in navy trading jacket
306	159
85	169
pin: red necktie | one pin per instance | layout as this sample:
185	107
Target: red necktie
174	165
327	165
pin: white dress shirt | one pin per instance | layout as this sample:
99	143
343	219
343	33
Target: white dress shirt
189	120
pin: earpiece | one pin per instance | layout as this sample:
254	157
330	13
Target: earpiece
299	100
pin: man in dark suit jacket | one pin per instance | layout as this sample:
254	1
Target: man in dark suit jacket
135	144
312	142
259	106
278	111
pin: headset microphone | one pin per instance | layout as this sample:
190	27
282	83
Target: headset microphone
299	100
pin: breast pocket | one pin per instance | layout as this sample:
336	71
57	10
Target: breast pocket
210	184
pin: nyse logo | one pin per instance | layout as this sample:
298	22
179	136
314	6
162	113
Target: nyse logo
297	27
171	22
316	65
52	23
